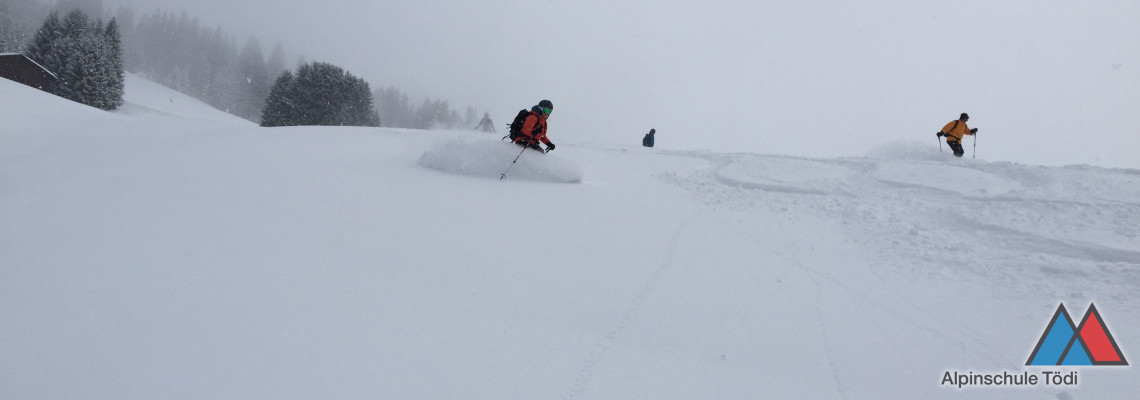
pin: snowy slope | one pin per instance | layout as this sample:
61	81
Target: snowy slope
172	251
149	98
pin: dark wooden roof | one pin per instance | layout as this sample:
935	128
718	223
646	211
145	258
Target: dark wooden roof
20	68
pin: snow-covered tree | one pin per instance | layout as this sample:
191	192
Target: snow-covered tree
320	94
116	76
279	108
40	49
85	56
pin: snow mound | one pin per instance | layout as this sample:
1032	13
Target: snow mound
786	175
490	158
910	150
948	178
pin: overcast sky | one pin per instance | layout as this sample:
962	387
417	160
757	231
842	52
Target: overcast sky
1045	81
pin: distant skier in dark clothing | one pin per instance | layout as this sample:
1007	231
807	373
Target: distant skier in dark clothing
486	125
533	129
647	141
954	131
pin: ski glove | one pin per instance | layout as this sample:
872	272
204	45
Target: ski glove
939	134
550	148
974	131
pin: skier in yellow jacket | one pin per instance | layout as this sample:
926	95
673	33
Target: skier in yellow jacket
954	131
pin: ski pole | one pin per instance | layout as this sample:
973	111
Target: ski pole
975	155
939	145
504	175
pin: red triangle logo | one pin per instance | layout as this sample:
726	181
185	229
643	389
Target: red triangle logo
1101	346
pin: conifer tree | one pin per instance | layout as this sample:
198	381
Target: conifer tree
114	60
279	107
85	57
74	59
40	49
320	94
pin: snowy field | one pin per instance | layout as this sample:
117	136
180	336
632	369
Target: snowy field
171	251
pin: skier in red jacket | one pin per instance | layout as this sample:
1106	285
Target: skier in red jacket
533	130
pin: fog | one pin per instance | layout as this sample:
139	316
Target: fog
1046	82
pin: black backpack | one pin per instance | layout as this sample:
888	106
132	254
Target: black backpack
516	125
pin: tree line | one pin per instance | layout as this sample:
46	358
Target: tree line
399	112
178	52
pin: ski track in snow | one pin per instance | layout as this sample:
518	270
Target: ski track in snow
824	332
598	351
972	210
991	221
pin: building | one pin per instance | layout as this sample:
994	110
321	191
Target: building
20	68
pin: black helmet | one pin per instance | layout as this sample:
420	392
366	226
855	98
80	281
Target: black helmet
546	104
964	116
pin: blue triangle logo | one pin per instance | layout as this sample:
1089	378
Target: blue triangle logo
1056	341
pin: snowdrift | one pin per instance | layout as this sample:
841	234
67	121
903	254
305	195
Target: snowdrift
910	150
489	159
